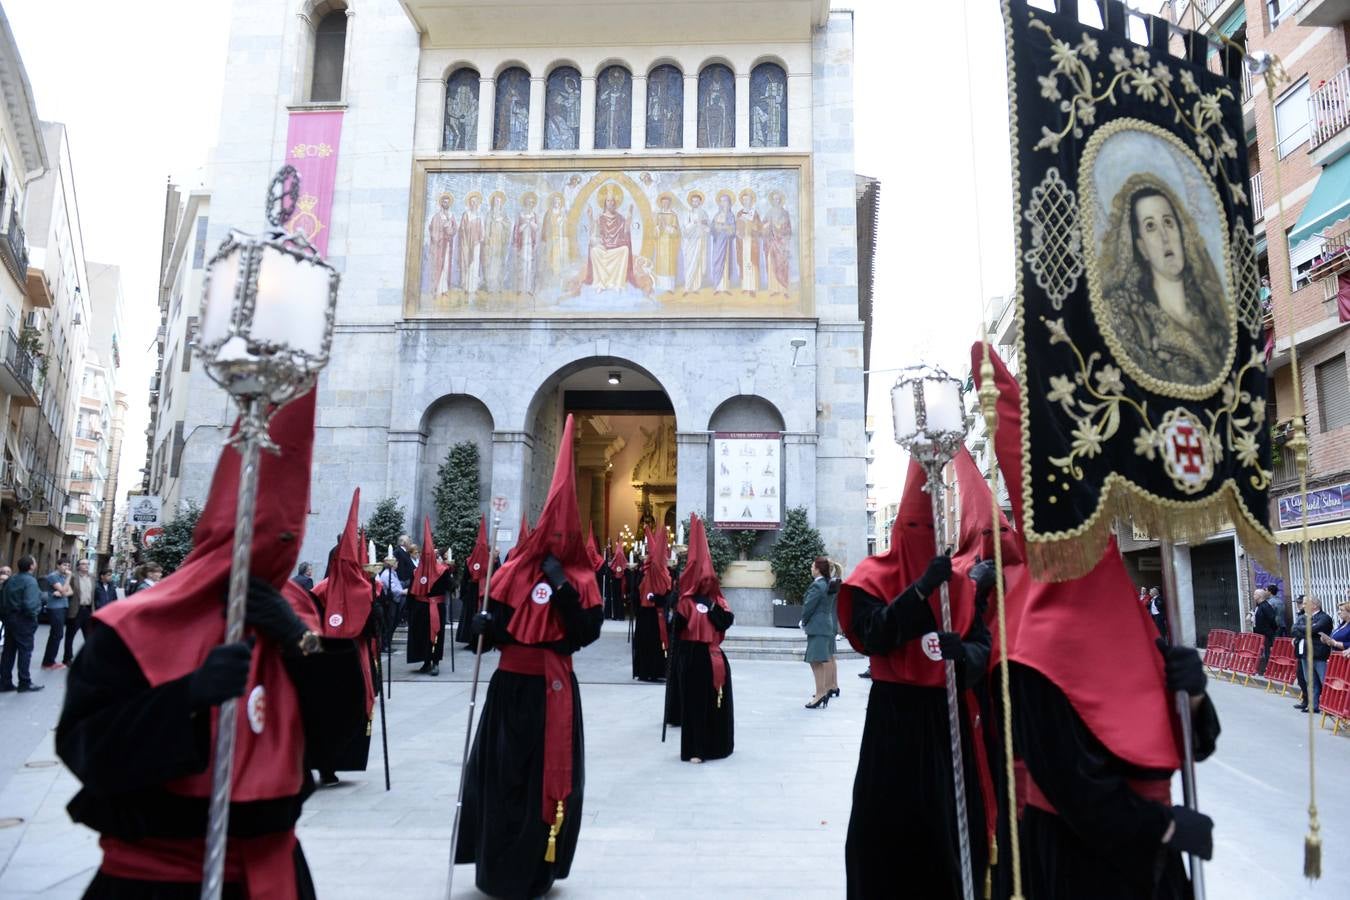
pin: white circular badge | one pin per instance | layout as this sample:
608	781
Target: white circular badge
701	607
932	647
257	709
477	566
335	619
541	593
424	579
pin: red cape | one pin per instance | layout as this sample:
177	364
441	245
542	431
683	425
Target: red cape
429	570
478	558
699	585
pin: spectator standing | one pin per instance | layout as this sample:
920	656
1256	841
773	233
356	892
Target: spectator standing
58	602
20	601
405	562
105	592
5	572
1339	639
1265	622
1281	617
1321	625
1155	609
304	576
818	621
134	580
395	596
80	614
151	576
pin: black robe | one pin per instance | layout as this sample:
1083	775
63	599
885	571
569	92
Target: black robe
902	833
707	729
649	657
420	648
353	753
1106	841
612	591
123	739
501	826
468	606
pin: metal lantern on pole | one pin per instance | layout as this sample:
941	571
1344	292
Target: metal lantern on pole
930	423
266	330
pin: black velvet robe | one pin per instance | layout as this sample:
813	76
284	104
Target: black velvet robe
707	729
902	834
501	828
1106	841
123	739
468	606
420	648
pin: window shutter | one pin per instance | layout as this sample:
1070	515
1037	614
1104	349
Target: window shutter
1333	393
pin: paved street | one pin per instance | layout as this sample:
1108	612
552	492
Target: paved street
767	822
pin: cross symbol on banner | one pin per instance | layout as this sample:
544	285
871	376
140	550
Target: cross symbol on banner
1190	452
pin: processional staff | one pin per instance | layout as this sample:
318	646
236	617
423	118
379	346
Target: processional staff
930	423
268	303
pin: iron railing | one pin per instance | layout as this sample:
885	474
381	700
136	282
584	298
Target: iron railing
14	248
1258	198
1329	108
19	361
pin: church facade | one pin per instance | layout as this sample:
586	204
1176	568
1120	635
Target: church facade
642	214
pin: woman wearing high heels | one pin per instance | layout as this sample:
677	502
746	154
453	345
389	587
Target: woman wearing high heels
818	620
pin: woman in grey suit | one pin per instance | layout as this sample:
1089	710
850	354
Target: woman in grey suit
818	619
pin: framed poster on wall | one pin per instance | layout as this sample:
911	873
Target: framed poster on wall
747	480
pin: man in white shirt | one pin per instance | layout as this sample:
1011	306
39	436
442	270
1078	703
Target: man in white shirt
395	597
79	616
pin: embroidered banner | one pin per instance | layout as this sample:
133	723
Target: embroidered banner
1143	373
312	147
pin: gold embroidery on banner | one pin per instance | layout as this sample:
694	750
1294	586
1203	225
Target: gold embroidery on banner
1246	278
1056	254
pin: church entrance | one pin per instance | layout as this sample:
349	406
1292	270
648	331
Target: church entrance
625	453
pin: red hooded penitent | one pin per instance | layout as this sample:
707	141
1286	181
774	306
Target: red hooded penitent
429	570
699	587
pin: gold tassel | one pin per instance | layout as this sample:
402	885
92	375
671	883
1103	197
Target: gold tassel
719	698
1312	853
551	854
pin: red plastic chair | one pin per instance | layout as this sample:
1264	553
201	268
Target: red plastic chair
1246	656
1282	667
1218	647
1335	698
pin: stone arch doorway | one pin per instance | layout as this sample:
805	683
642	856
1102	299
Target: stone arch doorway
446	422
625	455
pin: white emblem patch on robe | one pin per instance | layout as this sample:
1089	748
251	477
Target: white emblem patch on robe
932	648
257	709
542	593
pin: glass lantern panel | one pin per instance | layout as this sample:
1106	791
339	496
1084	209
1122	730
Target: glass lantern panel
218	303
942	400
902	407
292	307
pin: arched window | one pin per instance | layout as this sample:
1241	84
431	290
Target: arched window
768	106
562	109
614	109
511	124
461	110
716	106
665	108
330	49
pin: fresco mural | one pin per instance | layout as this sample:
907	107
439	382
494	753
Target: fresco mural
685	240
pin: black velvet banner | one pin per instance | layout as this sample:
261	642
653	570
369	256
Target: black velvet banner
1140	329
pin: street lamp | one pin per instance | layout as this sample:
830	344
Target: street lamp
268	303
930	423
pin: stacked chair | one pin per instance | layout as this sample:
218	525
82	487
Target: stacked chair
1282	669
1335	701
1239	655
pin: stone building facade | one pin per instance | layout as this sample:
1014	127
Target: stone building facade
415	369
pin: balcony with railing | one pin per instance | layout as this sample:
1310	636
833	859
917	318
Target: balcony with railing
1258	198
1329	109
1325	13
18	372
76	524
14	249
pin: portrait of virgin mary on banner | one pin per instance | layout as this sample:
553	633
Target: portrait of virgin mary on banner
1139	329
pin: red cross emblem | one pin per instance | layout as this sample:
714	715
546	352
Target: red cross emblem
1187	453
1190	453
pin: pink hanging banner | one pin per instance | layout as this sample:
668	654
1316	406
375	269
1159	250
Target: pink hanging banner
312	148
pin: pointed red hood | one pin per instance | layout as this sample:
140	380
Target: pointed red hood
346	592
1116	686
557	532
593	549
524	530
617	561
655	571
429	566
913	545
699	585
478	558
171	627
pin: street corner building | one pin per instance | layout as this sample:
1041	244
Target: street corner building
645	216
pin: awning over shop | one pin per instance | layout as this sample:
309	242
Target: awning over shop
1329	203
1315	532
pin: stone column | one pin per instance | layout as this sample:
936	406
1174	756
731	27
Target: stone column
799	111
691	473
743	110
691	111
586	139
799	471
511	453
638	137
487	103
404	456
535	142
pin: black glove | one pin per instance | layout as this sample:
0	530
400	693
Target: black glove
1193	832
271	615
480	625
950	644
1185	672
938	571
983	574
834	586
222	676
553	571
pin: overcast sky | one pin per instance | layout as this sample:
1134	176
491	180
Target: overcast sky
138	85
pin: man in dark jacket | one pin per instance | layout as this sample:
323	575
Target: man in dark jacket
1265	622
304	576
1321	624
406	564
19	605
106	591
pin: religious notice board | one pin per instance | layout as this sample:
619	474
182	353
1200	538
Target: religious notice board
747	480
658	237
